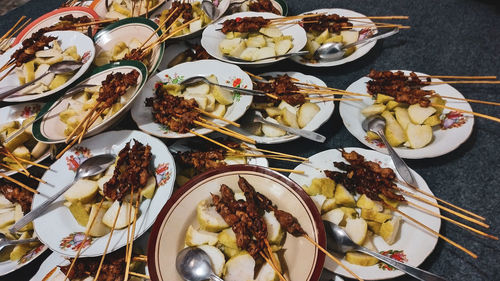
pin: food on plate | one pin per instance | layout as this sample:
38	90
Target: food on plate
259	6
118	187
178	107
253	38
287	106
330	28
240	231
120	9
182	12
24	146
123	51
112	269
355	198
193	53
14	203
406	107
114	92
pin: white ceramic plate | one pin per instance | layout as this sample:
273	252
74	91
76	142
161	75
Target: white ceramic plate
226	74
20	112
59	230
211	38
361	50
303	260
155	16
125	31
50	129
326	111
99	6
444	141
84	46
7	267
52	18
416	242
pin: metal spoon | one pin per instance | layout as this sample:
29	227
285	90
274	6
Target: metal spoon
4	241
376	124
56	68
90	167
300	53
210	9
257	117
333	51
201	79
70	92
193	264
339	241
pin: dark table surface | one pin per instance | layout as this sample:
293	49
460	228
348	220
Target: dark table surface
447	37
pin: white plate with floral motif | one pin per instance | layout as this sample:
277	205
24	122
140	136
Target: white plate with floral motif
414	243
326	111
9	266
227	74
361	50
59	230
454	130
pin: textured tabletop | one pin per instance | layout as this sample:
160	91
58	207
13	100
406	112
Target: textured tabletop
447	37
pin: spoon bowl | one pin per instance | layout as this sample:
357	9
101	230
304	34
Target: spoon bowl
210	9
90	167
4	241
193	264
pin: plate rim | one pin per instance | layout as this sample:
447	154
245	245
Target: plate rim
155	229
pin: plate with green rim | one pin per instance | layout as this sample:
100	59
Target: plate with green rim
50	129
126	31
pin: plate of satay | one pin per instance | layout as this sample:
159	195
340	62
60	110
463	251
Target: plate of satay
15	201
190	14
68	18
32	58
105	212
294	100
120	9
115	43
97	102
21	151
293	227
343	185
271	6
250	38
425	117
167	109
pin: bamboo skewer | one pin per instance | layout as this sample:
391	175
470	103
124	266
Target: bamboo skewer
8	72
440	200
107	244
232	134
129	222
213	141
268	261
34	163
18	183
127	268
432	231
218	117
443	208
24	173
469	112
94	22
452	221
87	116
160	25
6	41
287	171
12	28
237	154
471	100
457	77
331	99
140	275
463	82
337	261
11	156
383	17
274	152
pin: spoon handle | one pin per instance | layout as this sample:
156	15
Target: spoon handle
214	277
401	167
243	91
299	53
23	241
36	212
19	88
370	39
410	270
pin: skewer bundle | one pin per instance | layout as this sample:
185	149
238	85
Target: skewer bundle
22	169
254	24
336	23
5	40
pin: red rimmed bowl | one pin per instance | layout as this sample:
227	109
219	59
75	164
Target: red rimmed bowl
302	259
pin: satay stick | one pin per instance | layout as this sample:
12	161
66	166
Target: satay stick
379	26
94	22
107	244
87	116
13	27
8	72
11	156
430	230
331	99
217	117
18	183
23	172
129	221
212	140
66	148
452	221
235	135
439	199
139	275
287	171
471	100
270	252
160	25
383	17
282	278
463	82
337	261
443	208
254	76
167	36
33	163
90	123
84	240
274	152
331	89
243	137
238	154
127	268
457	77
6	41
466	111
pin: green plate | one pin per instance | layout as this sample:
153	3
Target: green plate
50	129
284	6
